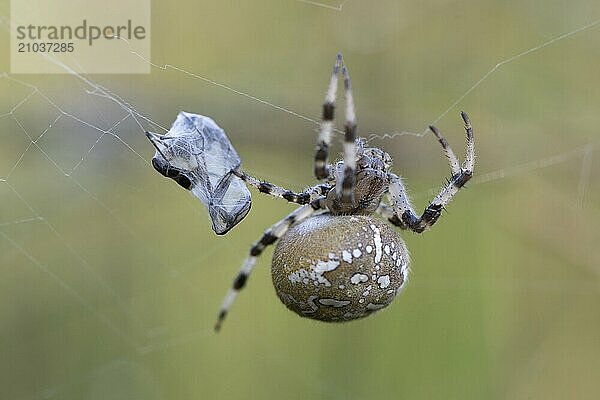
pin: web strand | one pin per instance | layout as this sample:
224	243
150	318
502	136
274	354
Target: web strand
82	262
486	76
584	176
44	268
323	5
530	166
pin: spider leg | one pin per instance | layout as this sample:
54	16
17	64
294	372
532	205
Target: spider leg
345	188
452	159
324	139
470	156
401	204
388	213
303	197
269	237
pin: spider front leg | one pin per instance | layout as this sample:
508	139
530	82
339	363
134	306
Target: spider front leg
324	139
403	211
269	237
345	187
345	184
302	198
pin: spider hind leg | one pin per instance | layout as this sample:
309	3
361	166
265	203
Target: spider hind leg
269	237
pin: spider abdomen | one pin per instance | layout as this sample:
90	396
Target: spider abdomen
339	268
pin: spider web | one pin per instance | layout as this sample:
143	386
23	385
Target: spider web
117	126
338	7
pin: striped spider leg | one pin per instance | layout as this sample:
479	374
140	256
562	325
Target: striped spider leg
304	197
269	237
322	168
346	181
402	213
345	187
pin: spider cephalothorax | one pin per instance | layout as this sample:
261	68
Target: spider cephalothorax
370	182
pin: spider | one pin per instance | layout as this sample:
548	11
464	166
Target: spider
334	260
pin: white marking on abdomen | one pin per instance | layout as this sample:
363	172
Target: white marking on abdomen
384	281
372	306
377	240
323	266
334	302
311	303
346	256
359	278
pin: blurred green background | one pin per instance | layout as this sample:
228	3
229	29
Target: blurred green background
111	277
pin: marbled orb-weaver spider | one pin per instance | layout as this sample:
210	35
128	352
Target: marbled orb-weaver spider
334	261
